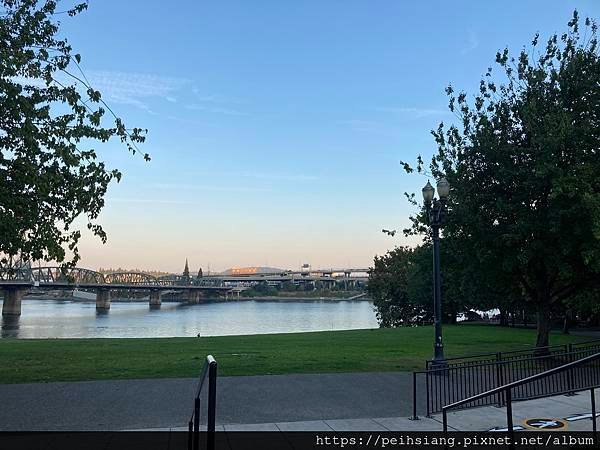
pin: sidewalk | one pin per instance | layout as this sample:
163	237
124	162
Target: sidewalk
312	402
165	403
574	411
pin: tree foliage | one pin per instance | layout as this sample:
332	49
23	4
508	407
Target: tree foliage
401	285
400	295
523	163
51	117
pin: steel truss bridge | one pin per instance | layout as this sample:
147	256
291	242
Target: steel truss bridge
17	280
83	278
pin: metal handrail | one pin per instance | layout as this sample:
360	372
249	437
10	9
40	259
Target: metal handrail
517	360
493	355
208	370
512	352
507	389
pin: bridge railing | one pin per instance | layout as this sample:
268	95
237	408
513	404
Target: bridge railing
209	370
77	276
14	270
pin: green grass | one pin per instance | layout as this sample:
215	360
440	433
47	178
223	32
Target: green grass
332	351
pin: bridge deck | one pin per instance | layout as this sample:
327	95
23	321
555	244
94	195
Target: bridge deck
60	285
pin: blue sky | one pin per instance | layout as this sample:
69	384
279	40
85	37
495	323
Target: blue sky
276	127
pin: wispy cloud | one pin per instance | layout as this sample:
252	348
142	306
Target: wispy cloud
370	126
416	112
382	128
124	88
279	176
151	200
215	103
134	88
213	98
294	177
472	43
213	188
216	109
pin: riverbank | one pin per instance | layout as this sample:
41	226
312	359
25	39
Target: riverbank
376	350
279	298
335	296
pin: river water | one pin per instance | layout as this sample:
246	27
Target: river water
51	318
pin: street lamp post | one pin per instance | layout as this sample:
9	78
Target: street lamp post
435	211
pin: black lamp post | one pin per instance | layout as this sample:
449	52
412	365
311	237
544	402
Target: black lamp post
435	211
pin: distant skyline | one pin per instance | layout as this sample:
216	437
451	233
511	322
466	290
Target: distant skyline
276	131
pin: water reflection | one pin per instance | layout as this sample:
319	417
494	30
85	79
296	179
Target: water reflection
51	318
10	326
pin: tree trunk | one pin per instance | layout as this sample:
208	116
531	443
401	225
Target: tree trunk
452	318
503	318
543	327
567	322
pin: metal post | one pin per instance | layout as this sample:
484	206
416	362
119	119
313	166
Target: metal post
427	393
594	426
197	423
414	416
499	378
445	421
509	416
438	349
212	405
570	358
190	434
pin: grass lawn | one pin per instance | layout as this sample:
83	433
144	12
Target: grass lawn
399	349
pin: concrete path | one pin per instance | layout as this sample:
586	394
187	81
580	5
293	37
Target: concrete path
570	409
574	411
315	402
165	403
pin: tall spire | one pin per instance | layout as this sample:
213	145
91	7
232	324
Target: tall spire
186	270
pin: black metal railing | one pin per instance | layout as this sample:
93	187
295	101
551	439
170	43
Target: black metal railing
208	370
463	377
585	375
515	354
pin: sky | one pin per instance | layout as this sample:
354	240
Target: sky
276	127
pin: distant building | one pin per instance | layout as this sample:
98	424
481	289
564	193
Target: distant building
243	271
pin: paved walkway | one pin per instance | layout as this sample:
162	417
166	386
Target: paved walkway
164	403
574	411
315	402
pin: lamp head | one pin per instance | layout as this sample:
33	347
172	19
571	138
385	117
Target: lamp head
428	192
443	188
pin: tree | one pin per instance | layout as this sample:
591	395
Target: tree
309	286
401	285
288	286
49	171
262	288
523	165
399	294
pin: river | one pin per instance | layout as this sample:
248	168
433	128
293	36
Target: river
52	318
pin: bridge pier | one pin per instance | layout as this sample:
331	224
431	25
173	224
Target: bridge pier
102	300
193	296
155	299
11	306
